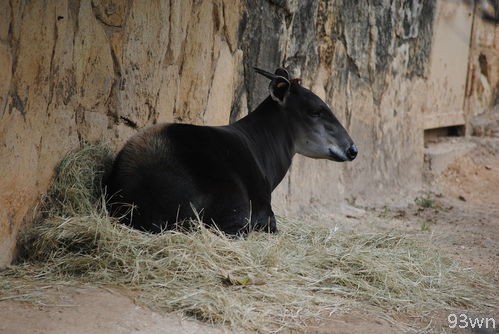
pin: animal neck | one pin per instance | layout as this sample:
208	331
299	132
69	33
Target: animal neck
270	138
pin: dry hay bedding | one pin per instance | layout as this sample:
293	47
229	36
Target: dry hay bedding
263	282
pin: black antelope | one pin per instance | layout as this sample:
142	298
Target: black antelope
224	174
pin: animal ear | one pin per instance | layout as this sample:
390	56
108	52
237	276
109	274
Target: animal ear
279	87
279	84
282	72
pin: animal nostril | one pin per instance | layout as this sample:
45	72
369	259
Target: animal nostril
352	152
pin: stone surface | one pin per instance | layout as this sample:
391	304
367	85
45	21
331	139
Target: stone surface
438	156
447	73
75	71
482	89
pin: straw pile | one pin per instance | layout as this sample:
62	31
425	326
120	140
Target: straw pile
263	282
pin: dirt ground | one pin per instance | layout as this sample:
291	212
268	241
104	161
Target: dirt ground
458	211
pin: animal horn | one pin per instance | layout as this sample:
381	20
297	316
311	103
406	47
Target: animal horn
265	73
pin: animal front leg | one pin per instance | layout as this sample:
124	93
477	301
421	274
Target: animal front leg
272	224
264	220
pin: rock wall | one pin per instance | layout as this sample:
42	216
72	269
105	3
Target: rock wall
482	89
73	71
368	61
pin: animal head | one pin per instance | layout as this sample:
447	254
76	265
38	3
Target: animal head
318	133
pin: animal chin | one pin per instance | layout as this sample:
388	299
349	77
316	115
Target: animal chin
337	155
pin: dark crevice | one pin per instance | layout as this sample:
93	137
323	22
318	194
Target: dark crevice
51	69
14	47
112	100
351	64
79	119
482	62
282	6
128	122
490	11
17	103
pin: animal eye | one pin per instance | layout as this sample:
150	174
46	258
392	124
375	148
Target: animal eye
315	113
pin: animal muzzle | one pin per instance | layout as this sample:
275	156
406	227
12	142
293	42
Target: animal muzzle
352	152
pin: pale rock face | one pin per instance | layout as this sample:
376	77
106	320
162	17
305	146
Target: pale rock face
93	63
102	70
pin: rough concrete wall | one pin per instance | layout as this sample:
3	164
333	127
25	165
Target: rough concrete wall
101	70
448	65
482	90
